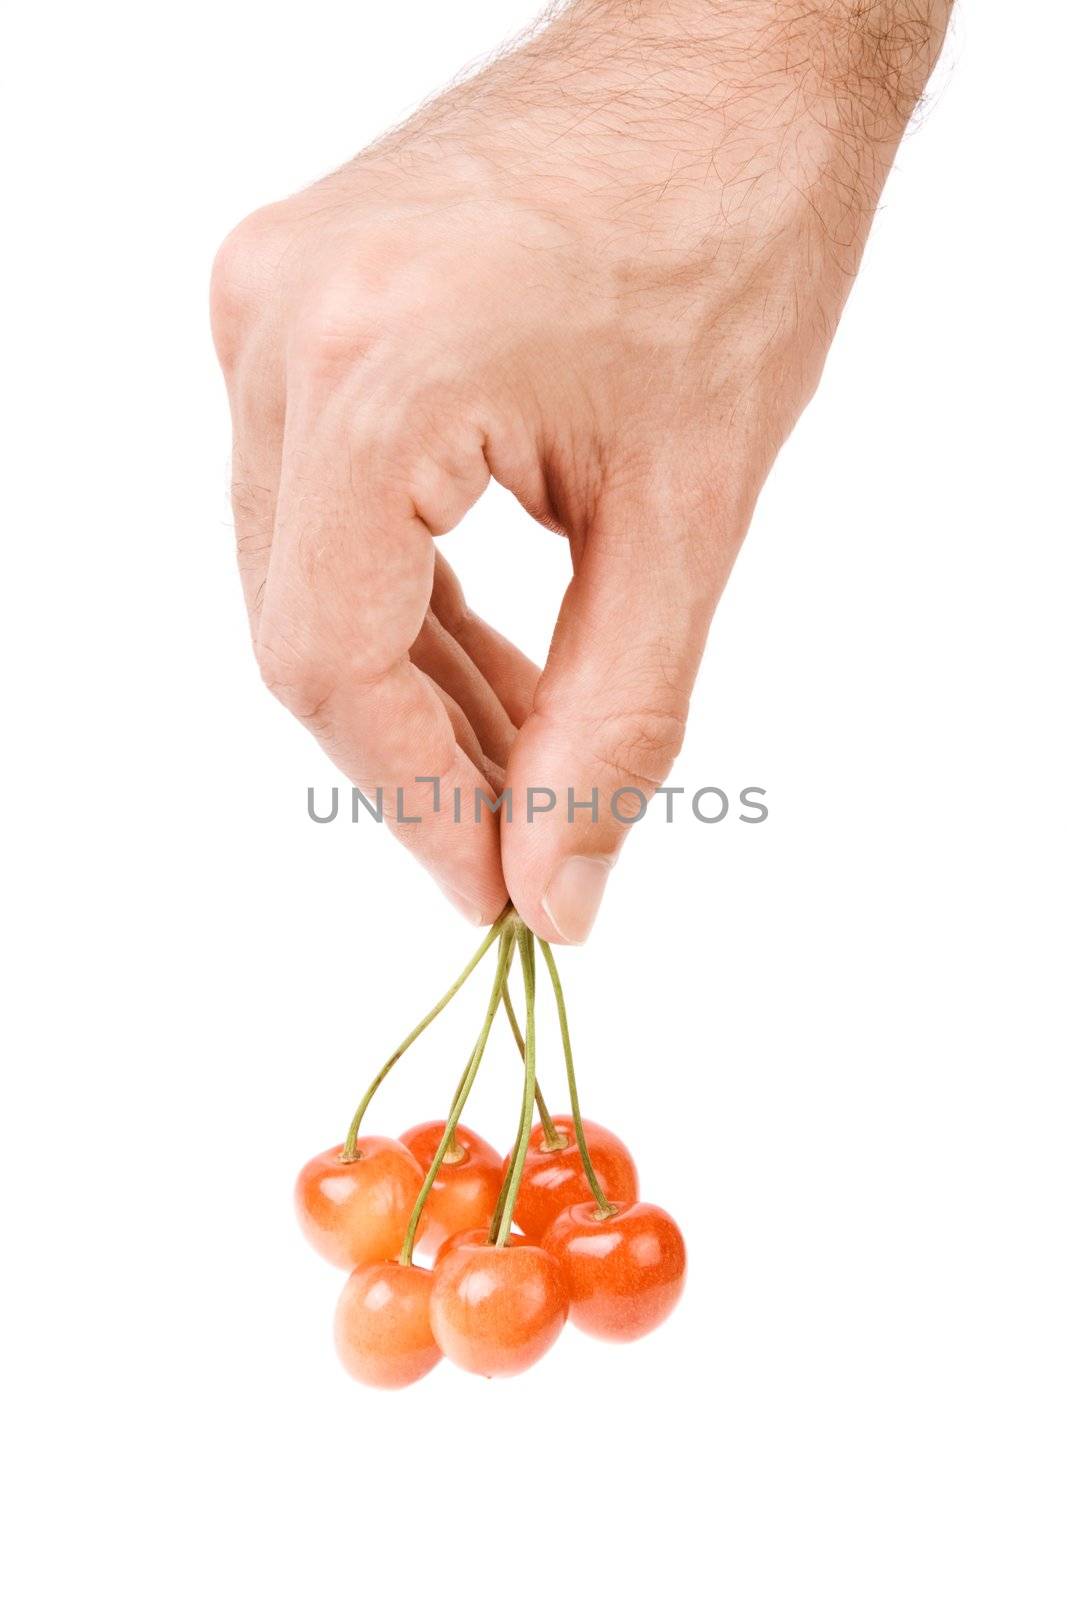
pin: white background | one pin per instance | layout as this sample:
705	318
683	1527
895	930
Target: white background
835	1042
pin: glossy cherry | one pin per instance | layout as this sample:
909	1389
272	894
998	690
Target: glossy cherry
357	1211
495	1311
624	1273
382	1325
552	1180
464	1193
470	1236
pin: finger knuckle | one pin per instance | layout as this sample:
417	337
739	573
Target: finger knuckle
639	746
337	325
370	295
323	344
237	276
299	674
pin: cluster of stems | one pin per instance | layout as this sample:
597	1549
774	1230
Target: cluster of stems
508	933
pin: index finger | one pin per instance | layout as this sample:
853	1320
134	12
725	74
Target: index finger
347	590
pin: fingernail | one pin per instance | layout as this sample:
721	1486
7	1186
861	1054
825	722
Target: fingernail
462	904
574	895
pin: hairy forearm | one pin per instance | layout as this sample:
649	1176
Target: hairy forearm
885	46
858	65
649	106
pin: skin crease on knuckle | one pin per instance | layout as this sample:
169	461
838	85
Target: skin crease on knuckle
634	750
606	267
301	678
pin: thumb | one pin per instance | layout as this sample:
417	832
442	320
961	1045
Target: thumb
609	712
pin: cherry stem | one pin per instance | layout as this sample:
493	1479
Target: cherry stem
554	1140
351	1151
546	1121
500	1232
604	1206
507	946
498	1209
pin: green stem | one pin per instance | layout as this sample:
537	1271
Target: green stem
509	1008
498	1209
458	1091
507	945
554	1140
604	1206
502	1231
351	1150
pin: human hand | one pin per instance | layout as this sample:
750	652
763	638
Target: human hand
605	271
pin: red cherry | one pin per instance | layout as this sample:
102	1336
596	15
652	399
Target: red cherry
624	1273
552	1180
357	1211
495	1311
470	1236
382	1325
464	1193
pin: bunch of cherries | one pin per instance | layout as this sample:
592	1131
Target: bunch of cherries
517	1244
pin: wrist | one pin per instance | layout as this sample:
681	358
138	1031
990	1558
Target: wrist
859	66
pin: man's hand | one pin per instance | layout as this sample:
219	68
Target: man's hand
606	272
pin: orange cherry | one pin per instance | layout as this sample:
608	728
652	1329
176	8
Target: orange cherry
470	1236
465	1191
552	1180
624	1273
357	1211
496	1310
382	1325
